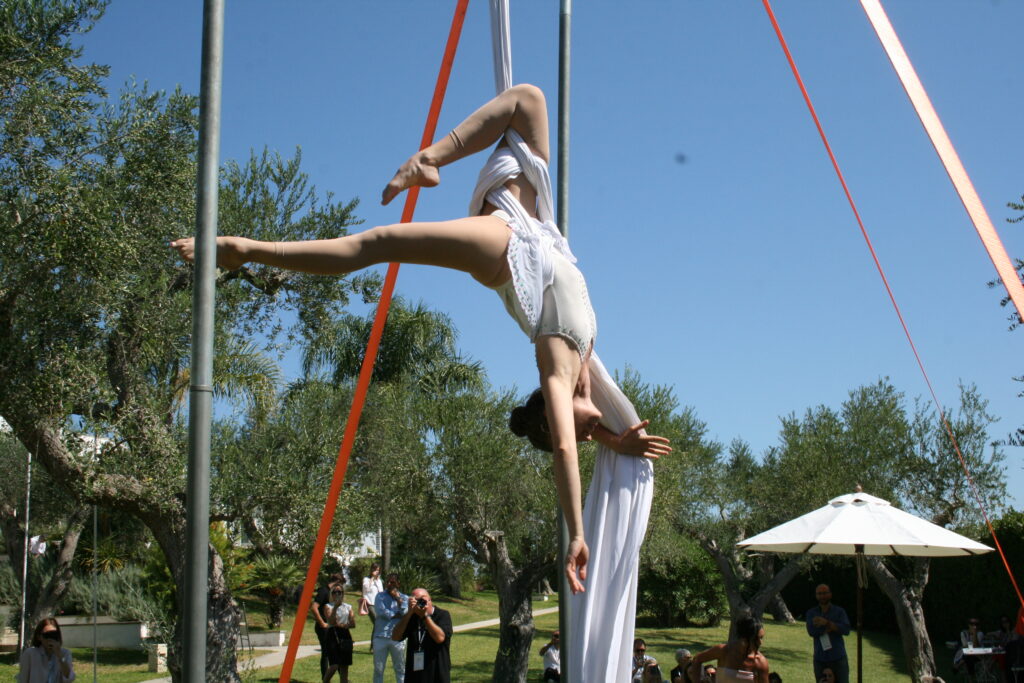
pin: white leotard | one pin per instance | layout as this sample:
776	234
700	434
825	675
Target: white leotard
547	294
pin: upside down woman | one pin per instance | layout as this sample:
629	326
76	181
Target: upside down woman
509	244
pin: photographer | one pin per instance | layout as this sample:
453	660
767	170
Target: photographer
429	632
46	660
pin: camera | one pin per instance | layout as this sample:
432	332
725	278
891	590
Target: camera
421	603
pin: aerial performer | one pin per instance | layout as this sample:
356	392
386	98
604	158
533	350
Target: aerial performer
508	243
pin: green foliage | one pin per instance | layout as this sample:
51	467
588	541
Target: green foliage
120	593
414	575
10	588
681	588
275	576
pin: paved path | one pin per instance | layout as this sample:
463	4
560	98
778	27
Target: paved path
276	657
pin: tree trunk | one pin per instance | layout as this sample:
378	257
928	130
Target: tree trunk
779	610
515	610
776	605
735	573
50	597
906	599
452	578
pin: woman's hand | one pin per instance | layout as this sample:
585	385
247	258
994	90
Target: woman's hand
576	556
632	442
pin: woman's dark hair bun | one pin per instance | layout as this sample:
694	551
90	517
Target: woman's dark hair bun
517	421
531	420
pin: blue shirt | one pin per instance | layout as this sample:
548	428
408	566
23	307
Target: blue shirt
389	613
837	615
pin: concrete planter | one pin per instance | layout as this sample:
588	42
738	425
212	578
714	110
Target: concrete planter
125	635
267	638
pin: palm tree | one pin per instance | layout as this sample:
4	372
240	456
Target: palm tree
273	576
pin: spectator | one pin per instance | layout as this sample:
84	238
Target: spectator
740	659
341	619
552	661
372	585
827	675
640	660
827	624
319	611
678	674
652	673
774	678
391	605
428	630
46	661
970	637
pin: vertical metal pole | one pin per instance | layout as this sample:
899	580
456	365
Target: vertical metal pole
24	555
95	564
861	580
562	218
201	389
95	597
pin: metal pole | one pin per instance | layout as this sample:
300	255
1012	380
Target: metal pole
201	389
95	597
861	580
95	563
24	555
562	218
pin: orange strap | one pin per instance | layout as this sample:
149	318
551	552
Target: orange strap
947	154
885	281
363	383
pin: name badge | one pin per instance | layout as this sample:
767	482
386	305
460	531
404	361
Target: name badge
417	660
826	642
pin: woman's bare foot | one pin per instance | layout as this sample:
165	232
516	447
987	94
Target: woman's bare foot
416	171
231	251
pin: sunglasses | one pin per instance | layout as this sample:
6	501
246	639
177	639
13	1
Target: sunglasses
49	635
640	649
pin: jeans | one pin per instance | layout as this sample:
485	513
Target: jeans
382	646
840	667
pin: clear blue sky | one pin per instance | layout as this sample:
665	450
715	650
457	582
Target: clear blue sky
738	276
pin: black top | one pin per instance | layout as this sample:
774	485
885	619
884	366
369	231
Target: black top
322	599
437	661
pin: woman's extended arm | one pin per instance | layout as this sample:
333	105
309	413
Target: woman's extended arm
632	442
559	367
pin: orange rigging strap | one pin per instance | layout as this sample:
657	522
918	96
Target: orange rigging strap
363	383
971	201
947	153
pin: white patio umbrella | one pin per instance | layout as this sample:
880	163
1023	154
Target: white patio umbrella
860	524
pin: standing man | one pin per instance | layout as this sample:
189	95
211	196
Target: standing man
827	624
391	605
552	659
319	611
428	630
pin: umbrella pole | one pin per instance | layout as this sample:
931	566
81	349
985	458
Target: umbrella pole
860	607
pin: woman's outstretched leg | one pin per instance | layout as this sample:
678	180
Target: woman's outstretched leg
521	107
473	245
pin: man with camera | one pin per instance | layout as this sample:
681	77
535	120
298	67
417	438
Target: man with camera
428	630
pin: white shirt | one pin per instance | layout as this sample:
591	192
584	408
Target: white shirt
342	615
551	659
371	587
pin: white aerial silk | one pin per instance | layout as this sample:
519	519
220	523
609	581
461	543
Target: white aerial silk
600	643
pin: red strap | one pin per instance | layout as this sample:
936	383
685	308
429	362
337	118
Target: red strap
878	265
363	383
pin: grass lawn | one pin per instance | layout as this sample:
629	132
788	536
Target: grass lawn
787	647
112	666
